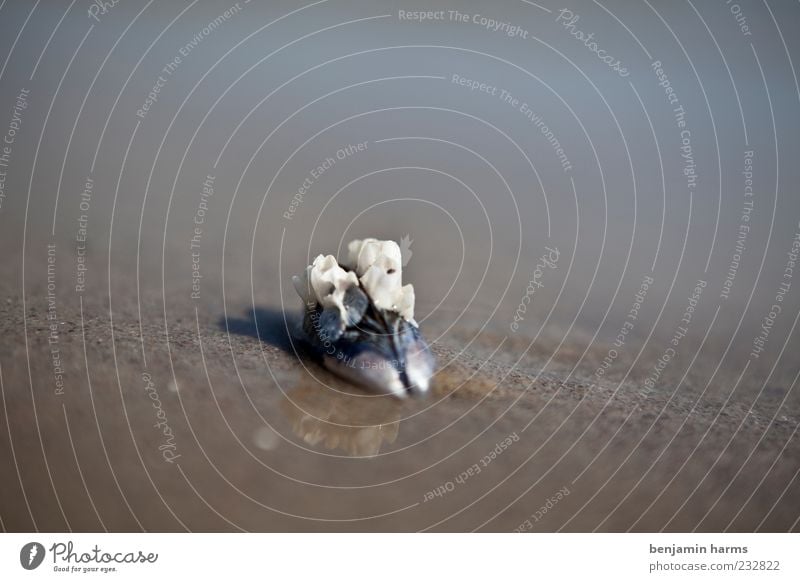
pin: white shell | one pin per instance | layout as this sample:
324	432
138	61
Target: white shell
325	282
385	254
379	265
405	303
330	281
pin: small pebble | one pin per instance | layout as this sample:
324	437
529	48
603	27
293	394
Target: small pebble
265	438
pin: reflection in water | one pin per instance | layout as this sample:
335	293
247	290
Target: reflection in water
342	419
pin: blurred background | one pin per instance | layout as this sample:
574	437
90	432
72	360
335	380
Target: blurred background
598	209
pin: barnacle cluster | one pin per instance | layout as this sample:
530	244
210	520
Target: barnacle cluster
359	318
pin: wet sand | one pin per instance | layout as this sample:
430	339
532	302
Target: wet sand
260	440
159	192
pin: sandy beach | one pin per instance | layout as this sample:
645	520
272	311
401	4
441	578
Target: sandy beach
597	207
264	441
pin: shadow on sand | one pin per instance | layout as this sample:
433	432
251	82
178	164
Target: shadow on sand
272	326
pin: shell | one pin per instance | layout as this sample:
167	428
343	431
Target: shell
361	321
326	283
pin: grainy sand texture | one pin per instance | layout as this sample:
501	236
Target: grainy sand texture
597	207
